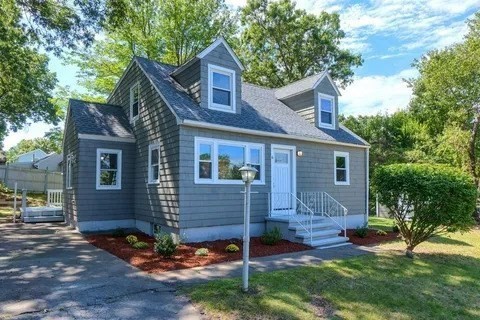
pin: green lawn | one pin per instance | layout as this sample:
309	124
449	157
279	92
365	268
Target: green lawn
442	282
33	200
380	223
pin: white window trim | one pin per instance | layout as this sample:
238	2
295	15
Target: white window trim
132	118
214	143
118	186
220	107
319	108
155	146
69	172
347	168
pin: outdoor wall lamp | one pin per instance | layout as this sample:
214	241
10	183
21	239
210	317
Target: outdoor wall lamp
299	153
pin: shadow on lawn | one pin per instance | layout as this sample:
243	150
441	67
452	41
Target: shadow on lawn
432	286
447	240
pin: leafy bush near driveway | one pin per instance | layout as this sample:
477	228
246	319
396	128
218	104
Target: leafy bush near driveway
140	245
232	248
426	200
380	233
271	237
131	239
164	244
361	231
202	252
118	233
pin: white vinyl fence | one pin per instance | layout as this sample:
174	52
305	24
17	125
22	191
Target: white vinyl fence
31	179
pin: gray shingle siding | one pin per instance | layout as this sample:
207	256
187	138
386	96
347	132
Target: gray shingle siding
214	205
155	203
70	146
222	58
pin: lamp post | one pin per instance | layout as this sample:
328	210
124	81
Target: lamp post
248	175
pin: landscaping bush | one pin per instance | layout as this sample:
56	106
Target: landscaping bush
140	245
131	239
118	233
232	248
361	232
395	228
202	252
381	233
437	198
271	237
164	244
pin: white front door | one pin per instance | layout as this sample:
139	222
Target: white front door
282	181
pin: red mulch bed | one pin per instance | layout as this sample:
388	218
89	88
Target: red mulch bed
147	260
371	238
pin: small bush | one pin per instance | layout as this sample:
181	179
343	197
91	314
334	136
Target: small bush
164	244
361	232
140	245
395	228
118	233
131	239
232	248
271	237
381	233
202	252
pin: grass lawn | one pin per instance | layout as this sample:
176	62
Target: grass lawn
442	282
384	224
33	200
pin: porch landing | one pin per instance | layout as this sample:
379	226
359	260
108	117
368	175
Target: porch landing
294	228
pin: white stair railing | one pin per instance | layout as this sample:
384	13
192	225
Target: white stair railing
54	198
324	204
287	204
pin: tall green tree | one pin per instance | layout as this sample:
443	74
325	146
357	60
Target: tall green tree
170	31
447	91
280	44
50	142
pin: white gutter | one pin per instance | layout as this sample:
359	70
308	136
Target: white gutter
206	125
105	138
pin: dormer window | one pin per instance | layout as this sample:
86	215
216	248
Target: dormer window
134	94
221	89
326	111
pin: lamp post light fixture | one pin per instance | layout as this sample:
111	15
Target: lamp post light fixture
248	175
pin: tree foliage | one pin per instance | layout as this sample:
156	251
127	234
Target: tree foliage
426	200
166	31
280	44
50	142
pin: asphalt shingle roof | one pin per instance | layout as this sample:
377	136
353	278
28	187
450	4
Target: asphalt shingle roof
100	119
298	86
261	110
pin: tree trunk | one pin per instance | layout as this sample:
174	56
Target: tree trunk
471	150
409	251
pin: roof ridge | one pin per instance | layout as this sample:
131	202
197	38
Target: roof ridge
258	86
153	60
305	78
94	102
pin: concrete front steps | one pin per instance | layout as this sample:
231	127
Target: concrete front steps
324	231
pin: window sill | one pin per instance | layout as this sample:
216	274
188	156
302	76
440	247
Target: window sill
326	126
222	108
342	183
233	183
153	183
109	189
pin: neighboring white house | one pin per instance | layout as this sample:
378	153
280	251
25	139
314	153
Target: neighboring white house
28	158
52	162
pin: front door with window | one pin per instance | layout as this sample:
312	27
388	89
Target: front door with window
282	181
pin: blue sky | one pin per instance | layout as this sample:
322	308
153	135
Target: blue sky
389	34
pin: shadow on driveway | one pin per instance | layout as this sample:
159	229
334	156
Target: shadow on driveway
49	271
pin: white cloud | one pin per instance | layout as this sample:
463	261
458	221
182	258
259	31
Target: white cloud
373	94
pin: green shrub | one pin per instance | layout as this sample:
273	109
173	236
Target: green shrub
201	252
395	228
131	239
140	245
361	232
381	233
164	244
271	237
232	248
118	233
437	198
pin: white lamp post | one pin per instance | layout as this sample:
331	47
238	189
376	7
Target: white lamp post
248	175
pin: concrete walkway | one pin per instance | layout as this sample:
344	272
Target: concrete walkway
197	275
50	272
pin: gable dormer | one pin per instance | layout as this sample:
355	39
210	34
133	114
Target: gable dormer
213	78
315	98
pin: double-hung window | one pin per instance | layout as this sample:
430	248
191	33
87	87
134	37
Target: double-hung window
134	102
219	161
154	163
342	168
69	171
221	88
326	111
109	169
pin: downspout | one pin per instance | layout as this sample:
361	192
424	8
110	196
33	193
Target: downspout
367	179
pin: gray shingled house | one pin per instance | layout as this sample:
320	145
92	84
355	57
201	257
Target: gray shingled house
166	149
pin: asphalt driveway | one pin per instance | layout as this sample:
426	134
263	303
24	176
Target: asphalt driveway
50	272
